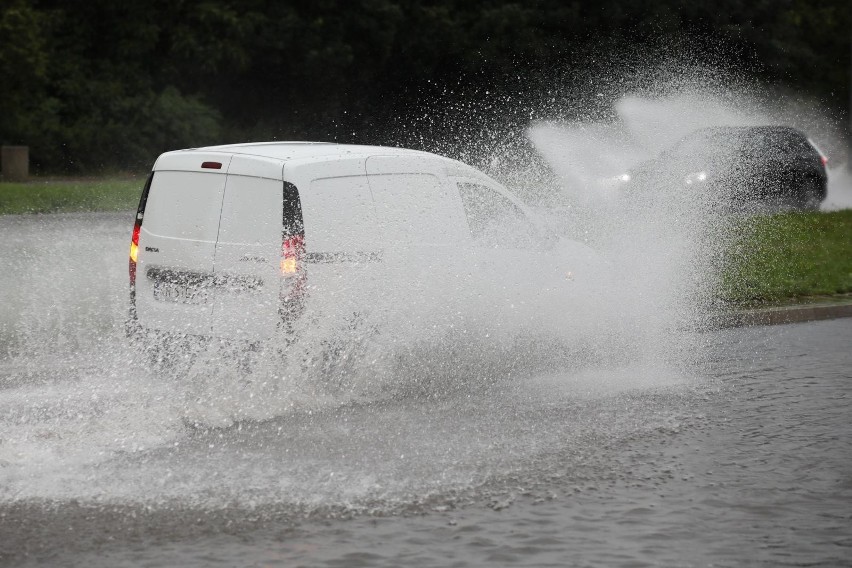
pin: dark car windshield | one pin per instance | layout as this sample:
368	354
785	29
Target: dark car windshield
702	143
785	141
701	148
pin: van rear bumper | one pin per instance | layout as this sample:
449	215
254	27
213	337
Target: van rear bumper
290	312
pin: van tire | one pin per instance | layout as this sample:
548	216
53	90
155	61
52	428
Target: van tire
168	354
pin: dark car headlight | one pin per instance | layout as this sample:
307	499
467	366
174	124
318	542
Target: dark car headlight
695	177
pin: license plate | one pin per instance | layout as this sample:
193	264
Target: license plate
180	293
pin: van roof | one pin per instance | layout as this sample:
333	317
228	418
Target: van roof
306	152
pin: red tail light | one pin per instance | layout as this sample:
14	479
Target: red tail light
292	254
823	159
134	253
134	250
134	241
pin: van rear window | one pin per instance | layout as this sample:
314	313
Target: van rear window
184	205
143	200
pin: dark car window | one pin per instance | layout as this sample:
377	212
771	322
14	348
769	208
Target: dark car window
792	143
752	144
703	144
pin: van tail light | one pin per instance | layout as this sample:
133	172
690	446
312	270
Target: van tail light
134	251
134	245
823	160
131	325
292	254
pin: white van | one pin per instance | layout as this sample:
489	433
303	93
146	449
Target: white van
233	241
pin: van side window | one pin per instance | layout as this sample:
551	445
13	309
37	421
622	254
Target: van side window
417	208
493	219
338	214
143	200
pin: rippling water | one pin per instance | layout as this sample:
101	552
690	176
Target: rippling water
743	456
747	465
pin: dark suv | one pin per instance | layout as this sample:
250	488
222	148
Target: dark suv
775	166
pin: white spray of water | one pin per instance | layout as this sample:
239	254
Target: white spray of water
77	400
839	189
588	157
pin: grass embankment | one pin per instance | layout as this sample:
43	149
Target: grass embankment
783	257
54	196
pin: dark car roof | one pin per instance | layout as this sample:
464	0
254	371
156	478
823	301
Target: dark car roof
756	130
719	146
768	137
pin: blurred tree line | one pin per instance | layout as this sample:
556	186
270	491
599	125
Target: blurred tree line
97	84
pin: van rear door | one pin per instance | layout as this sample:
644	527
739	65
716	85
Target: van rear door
177	242
247	253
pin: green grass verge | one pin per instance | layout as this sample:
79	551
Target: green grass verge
54	196
779	257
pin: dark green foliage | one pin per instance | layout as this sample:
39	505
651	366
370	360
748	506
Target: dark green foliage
98	84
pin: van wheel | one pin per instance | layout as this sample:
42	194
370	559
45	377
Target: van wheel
342	353
169	355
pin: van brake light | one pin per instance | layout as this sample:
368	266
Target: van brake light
134	244
212	165
134	241
134	252
292	253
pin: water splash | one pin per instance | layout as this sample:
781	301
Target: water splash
422	396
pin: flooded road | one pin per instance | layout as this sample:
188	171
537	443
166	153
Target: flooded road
738	454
